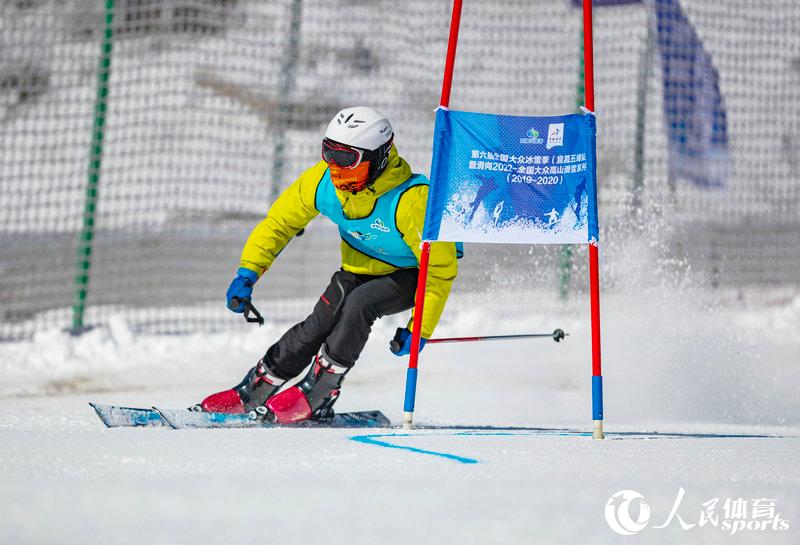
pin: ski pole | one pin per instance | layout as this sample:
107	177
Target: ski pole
557	335
248	308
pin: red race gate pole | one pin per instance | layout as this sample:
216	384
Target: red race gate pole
425	251
594	273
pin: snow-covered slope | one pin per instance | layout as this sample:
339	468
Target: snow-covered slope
670	365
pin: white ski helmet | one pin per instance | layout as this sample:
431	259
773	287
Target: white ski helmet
368	131
360	127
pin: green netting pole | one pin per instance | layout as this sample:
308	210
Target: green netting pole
83	261
641	113
281	123
565	263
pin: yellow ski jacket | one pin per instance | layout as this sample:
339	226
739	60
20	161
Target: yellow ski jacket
295	208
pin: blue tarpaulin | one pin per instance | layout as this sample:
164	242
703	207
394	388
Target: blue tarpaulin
694	109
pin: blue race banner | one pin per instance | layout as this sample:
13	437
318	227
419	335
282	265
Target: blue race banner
512	179
694	110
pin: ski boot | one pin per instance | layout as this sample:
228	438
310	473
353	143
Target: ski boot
311	399
256	388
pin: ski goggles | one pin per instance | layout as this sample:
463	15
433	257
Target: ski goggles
340	155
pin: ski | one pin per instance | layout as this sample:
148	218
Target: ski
183	419
115	416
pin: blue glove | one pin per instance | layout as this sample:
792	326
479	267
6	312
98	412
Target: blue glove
401	344
241	288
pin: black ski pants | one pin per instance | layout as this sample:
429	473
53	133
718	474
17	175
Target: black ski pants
342	320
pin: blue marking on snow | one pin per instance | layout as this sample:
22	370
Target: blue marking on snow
372	439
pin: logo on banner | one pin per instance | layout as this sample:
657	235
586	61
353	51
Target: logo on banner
555	135
533	137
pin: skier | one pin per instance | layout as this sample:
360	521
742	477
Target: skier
369	191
